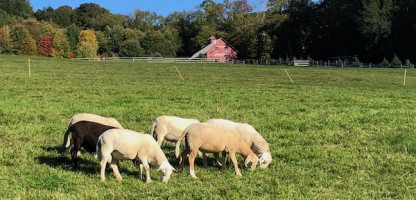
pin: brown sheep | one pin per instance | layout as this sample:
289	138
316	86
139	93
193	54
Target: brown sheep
210	138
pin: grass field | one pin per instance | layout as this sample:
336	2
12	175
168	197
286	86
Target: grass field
336	133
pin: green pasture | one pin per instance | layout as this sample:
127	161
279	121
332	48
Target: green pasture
335	133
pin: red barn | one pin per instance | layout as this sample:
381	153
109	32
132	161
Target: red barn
218	50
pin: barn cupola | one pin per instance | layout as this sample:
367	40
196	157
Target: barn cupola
213	39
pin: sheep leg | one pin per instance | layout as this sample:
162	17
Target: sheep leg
114	166
147	168
182	157
103	163
141	171
204	160
74	152
223	159
192	156
234	159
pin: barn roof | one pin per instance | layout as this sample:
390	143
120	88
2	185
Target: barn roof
205	49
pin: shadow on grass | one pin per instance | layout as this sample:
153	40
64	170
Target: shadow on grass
87	166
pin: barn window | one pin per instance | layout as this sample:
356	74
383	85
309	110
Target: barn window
216	49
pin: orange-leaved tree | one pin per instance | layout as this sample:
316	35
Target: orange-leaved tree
45	45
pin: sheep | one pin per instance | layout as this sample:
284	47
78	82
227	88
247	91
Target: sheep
169	128
210	138
252	138
85	129
91	118
122	144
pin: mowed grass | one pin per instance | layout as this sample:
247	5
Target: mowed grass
336	133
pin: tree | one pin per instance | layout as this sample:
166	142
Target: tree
92	16
64	16
22	41
5	43
33	27
396	62
21	8
385	63
114	38
72	34
146	20
131	48
376	20
87	46
155	43
45	45
403	40
4	18
61	47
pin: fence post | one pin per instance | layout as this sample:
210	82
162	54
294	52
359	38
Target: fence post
28	63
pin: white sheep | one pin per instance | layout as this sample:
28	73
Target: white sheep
170	128
252	138
122	144
210	138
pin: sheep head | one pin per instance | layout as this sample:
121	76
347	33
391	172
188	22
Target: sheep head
265	160
165	170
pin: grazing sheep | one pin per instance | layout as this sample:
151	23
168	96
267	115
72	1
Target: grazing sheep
252	138
169	128
85	129
210	138
122	144
91	118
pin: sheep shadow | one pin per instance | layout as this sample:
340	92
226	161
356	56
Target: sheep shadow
58	158
169	151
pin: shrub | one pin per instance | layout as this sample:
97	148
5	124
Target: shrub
339	63
396	62
408	63
356	62
385	63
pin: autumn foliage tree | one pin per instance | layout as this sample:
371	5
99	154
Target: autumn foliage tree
5	43
88	45
23	43
45	45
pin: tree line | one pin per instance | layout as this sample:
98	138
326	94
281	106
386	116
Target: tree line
368	30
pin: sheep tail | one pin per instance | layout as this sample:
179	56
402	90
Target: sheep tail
66	142
98	148
153	130
178	143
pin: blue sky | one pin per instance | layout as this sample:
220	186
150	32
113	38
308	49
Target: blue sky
161	7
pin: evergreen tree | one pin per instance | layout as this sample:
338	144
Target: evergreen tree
385	63
396	62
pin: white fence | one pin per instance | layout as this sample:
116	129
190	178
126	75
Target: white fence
153	59
321	63
303	63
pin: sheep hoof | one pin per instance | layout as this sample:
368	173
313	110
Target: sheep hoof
148	181
102	180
